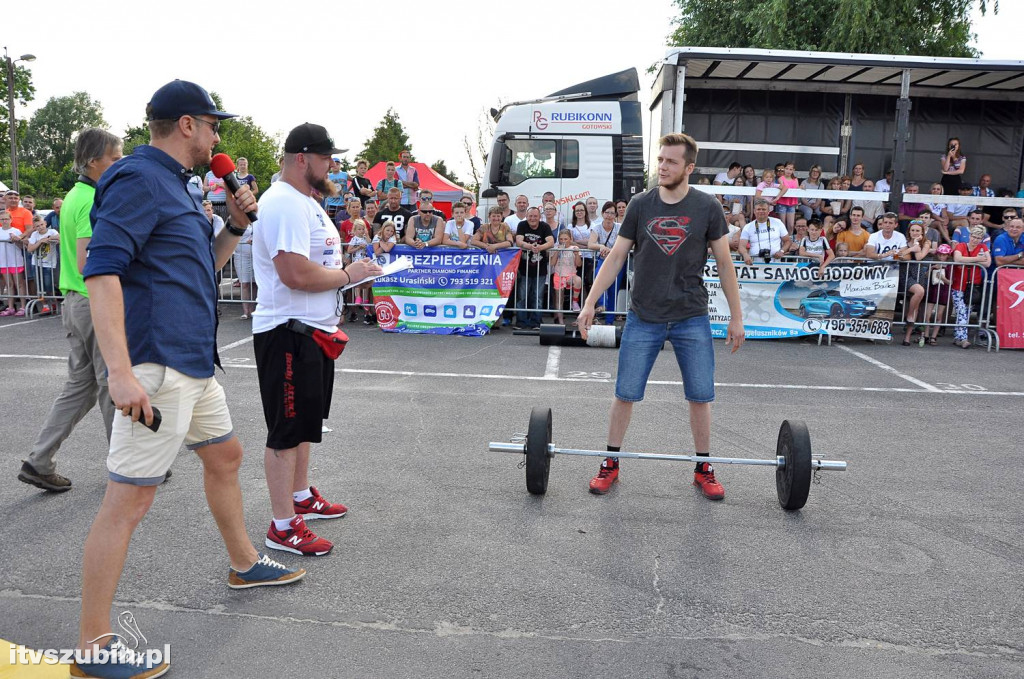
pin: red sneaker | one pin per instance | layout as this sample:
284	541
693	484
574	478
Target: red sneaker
608	475
297	539
705	480
317	507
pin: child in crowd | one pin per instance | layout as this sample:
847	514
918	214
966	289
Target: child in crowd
12	266
356	250
43	243
458	230
815	246
938	293
564	260
384	241
787	206
769	184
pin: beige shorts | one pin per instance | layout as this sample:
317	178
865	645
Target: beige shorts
194	411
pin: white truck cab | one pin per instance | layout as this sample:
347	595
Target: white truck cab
584	141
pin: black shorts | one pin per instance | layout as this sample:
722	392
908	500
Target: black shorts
296	385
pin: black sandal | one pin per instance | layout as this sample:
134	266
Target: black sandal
906	343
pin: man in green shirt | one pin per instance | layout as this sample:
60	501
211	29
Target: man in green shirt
95	151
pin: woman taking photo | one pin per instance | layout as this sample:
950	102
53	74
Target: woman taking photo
953	163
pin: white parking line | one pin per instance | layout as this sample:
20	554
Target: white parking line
244	340
888	368
34	320
675	383
554	358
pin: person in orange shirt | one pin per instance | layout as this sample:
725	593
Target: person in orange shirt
21	219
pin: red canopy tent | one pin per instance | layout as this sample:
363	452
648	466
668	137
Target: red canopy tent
445	192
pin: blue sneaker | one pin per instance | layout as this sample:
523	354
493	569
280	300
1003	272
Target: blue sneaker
264	573
120	662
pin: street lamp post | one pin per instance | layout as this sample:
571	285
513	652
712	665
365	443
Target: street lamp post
12	130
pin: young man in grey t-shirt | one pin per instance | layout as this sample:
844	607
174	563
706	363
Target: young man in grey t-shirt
671	228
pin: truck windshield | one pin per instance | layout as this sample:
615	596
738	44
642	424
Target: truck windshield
523	159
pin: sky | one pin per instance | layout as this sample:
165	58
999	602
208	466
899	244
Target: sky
439	65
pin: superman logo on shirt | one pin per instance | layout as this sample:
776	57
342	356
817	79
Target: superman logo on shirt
668	232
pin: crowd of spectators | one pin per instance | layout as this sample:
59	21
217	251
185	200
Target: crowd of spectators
562	253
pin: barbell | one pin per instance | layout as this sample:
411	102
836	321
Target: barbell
794	462
554	334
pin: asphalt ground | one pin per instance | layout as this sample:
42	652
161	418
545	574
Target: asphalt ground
907	565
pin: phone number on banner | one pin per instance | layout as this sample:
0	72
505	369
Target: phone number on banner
867	328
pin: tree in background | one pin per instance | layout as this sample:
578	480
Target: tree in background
388	140
50	138
243	137
442	169
24	92
939	28
135	135
48	150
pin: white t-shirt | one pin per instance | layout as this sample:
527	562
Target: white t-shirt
882	246
10	254
605	238
46	254
453	231
816	247
764	236
723	178
582	233
513	221
959	210
882	185
292	222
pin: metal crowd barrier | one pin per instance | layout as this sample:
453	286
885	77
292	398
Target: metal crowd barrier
535	288
35	290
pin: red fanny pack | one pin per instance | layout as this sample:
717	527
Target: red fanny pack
331	343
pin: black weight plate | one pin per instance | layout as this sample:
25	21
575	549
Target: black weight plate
538	458
793	482
551	334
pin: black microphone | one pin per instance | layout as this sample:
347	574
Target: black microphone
224	168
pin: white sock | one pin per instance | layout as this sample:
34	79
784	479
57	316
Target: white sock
283	524
301	495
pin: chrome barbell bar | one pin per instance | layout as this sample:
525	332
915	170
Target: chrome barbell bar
779	462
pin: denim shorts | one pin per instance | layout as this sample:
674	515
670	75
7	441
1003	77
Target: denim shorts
642	342
785	209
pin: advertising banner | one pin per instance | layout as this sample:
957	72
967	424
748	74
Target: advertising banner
1010	308
795	300
447	292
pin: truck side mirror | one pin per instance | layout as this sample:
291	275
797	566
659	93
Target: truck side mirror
489	193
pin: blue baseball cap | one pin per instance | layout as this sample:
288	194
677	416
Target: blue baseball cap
182	98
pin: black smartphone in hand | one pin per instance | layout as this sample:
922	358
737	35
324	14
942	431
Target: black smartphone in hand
156	420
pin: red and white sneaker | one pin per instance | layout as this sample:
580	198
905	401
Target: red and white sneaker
317	507
297	539
608	475
705	480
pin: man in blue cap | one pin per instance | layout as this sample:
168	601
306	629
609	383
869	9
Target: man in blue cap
151	280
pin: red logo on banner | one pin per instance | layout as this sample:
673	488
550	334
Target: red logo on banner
387	312
507	278
1010	308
